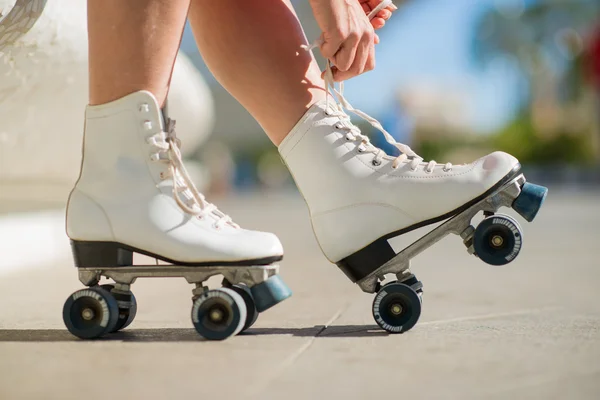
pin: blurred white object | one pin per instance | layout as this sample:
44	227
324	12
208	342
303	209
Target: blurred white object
44	90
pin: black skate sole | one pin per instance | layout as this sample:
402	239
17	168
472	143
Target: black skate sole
366	260
91	254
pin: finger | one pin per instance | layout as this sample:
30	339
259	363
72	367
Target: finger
370	64
345	56
358	66
366	8
374	3
377	23
376	39
385	14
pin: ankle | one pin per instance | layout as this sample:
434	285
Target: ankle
288	115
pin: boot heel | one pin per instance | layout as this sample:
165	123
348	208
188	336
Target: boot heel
100	254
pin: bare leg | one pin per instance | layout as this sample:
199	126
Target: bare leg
253	49
132	46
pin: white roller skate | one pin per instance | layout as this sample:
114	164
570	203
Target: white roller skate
359	197
135	196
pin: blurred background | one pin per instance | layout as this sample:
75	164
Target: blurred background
454	79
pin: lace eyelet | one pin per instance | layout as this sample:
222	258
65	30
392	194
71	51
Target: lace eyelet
413	169
147	125
144	108
447	170
376	163
216	227
338	126
360	149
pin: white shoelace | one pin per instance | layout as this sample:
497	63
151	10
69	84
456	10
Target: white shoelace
354	133
183	186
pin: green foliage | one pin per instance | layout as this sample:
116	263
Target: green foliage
521	139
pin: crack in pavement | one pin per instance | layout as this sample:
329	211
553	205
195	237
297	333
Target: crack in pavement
295	355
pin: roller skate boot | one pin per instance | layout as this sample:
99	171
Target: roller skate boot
359	197
134	195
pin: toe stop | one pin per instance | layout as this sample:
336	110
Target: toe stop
270	292
530	200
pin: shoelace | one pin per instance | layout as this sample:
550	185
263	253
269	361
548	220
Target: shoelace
354	133
169	145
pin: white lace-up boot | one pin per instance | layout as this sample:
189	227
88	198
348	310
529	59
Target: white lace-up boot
134	195
359	197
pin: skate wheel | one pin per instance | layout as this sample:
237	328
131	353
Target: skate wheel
90	313
251	311
270	292
127	307
219	314
397	307
530	200
497	240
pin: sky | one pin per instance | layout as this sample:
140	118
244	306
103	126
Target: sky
428	42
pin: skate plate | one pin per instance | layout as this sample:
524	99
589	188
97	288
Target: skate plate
249	275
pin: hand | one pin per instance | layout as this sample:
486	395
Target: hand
348	38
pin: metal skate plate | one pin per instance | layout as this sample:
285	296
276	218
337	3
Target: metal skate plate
458	224
250	275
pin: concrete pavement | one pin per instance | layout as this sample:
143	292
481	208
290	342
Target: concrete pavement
527	330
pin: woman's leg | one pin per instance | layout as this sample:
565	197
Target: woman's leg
253	49
132	46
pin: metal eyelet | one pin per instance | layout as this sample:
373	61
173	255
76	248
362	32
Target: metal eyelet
376	163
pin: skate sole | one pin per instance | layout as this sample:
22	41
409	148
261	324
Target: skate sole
368	259
97	254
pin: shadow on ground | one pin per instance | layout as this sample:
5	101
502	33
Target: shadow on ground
187	335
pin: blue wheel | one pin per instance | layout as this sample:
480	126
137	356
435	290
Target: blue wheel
270	292
91	313
498	240
530	200
397	307
218	314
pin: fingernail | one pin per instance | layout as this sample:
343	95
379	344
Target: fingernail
393	7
